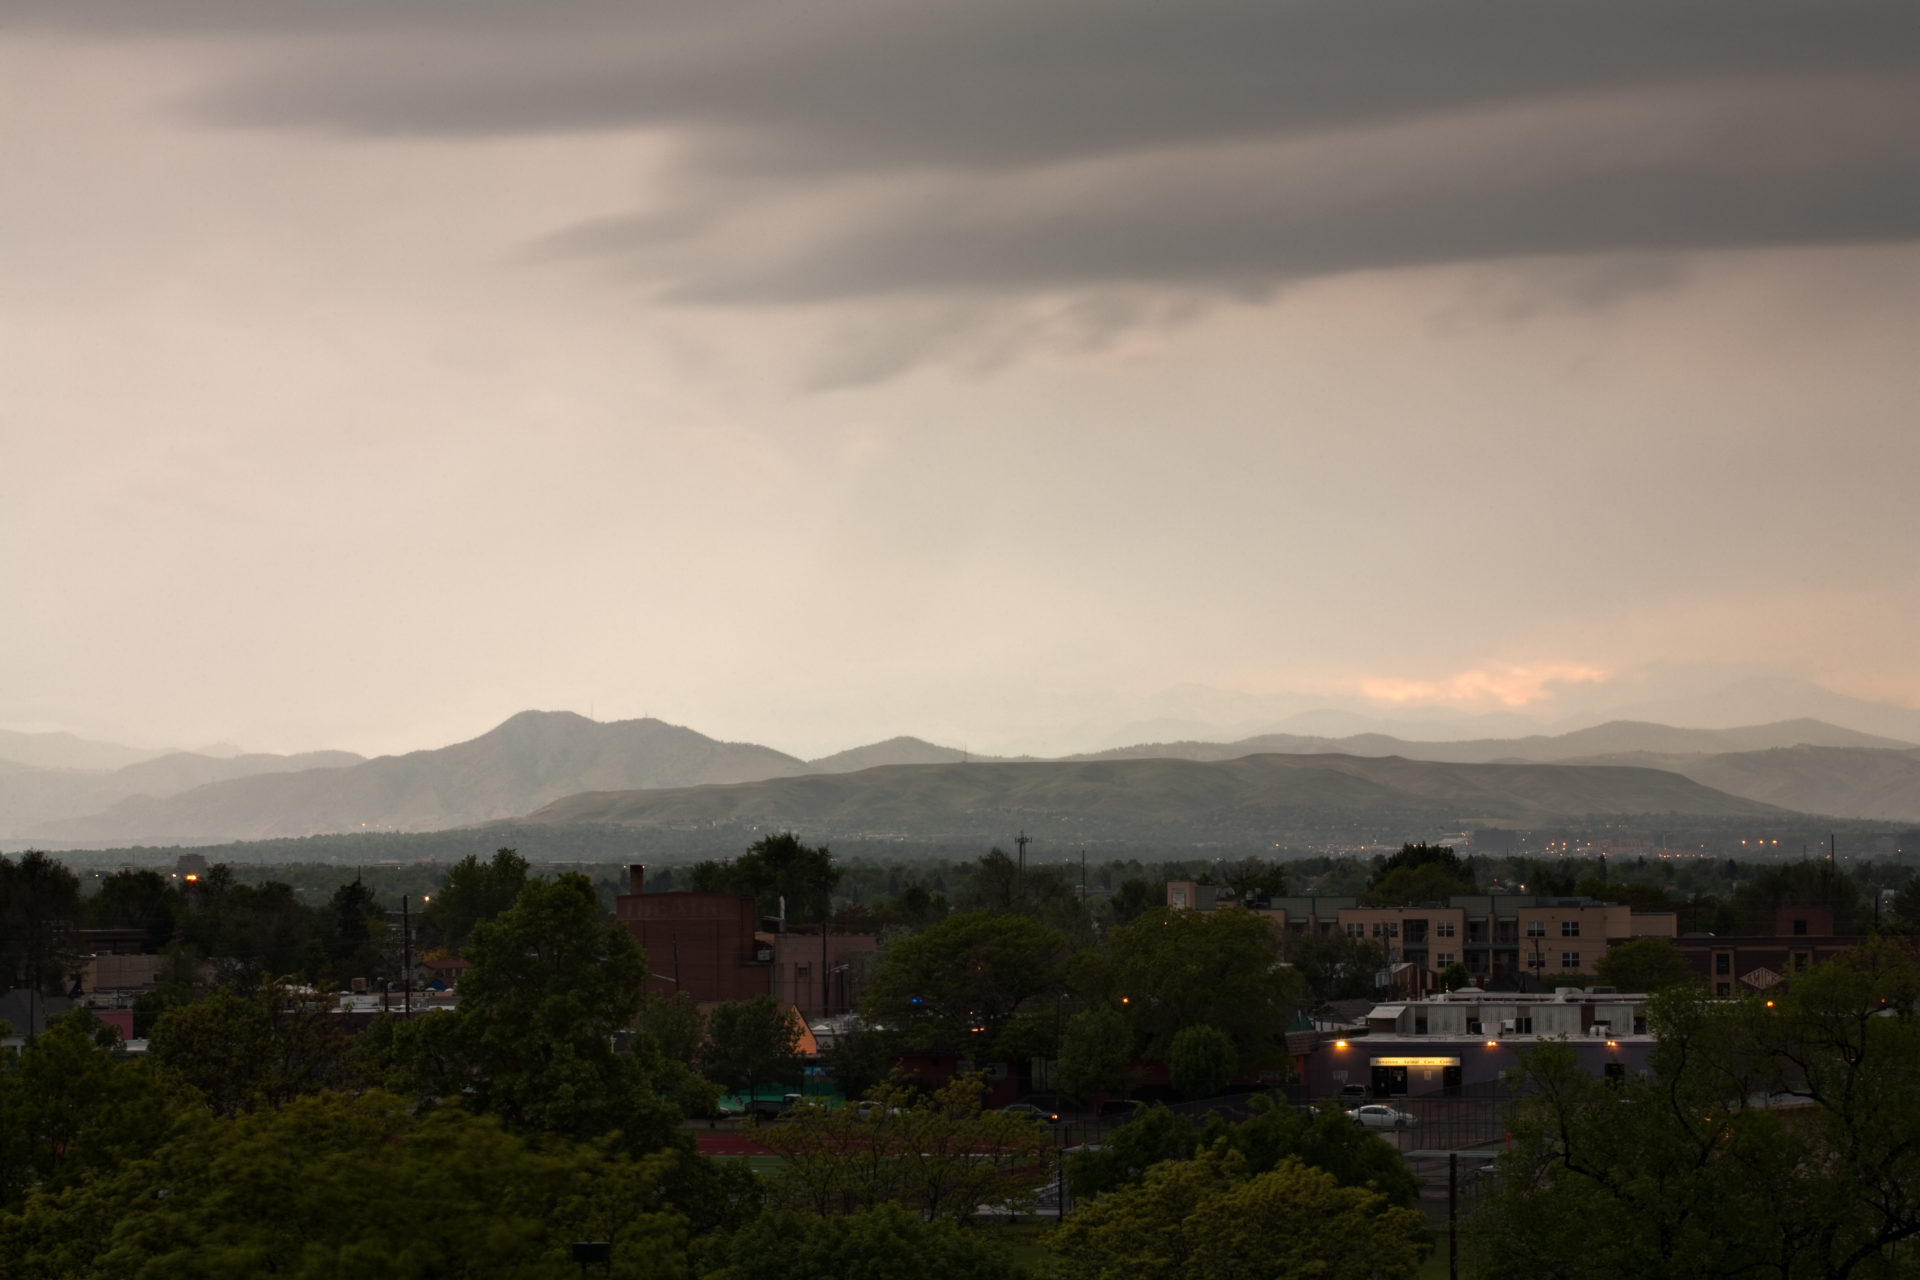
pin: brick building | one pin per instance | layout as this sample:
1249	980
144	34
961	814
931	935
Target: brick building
705	944
1802	937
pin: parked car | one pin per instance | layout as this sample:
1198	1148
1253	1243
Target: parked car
1379	1116
1030	1111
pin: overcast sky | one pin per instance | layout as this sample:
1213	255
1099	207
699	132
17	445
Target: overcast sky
999	373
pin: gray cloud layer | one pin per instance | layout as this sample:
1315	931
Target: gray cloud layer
859	149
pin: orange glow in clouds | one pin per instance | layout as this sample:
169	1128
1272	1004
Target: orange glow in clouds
1508	686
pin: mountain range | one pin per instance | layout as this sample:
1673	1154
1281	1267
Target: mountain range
1111	799
535	759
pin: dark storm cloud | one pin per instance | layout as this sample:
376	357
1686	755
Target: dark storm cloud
886	147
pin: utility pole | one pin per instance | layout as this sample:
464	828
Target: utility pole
1453	1215
406	957
1021	842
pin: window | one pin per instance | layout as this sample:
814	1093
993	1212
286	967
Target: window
1799	928
1639	1024
1379	930
1569	928
1524	1025
1473	1027
1570	961
1722	963
803	971
1536	961
1801	959
1444	929
1443	958
1536	928
1723	989
1419	1022
1356	931
1393	928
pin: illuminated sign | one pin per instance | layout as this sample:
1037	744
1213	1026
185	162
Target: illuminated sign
1416	1062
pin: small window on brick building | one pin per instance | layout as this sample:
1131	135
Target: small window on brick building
1799	928
1569	928
1723	963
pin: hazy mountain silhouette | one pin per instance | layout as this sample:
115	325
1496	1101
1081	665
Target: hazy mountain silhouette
1841	782
68	751
31	797
1103	798
892	751
528	761
1611	738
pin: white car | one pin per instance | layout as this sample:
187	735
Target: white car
1376	1116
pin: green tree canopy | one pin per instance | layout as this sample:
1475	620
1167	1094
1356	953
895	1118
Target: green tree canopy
1335	966
1132	899
38	897
940	1155
881	1242
69	1111
475	891
1418	873
553	980
1207	1219
1096	1054
1202	1060
751	1043
136	899
1645	964
335	1185
264	1048
999	886
773	868
1776	1136
959	981
1169	970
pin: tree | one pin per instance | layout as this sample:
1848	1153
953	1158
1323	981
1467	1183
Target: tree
999	886
749	1043
959	981
1418	873
1096	1054
1455	976
1252	878
69	1111
1776	1136
675	1024
940	1156
1133	898
475	891
884	1241
553	980
1153	1135
143	900
773	869
39	901
1335	966
860	1057
1645	964
337	1185
263	1049
1174	969
1206	1219
1328	1140
1202	1060
1273	1132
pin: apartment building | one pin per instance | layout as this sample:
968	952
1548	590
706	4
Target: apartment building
1500	938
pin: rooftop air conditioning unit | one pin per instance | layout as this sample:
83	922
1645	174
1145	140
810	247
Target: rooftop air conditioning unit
1506	1026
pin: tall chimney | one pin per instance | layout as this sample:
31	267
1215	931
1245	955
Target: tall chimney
636	878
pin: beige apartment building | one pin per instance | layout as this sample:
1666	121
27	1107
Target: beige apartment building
1501	938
